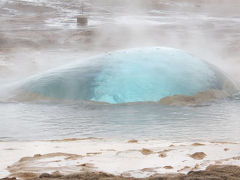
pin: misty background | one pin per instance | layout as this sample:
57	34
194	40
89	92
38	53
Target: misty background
36	35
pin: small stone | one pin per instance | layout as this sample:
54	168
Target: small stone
56	174
163	155
168	167
133	141
146	151
197	144
37	155
44	175
198	155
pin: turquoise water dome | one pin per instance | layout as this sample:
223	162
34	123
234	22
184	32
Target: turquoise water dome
142	74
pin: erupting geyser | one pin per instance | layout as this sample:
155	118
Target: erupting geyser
143	74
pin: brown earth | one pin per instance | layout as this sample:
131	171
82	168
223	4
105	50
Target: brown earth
212	172
198	155
199	98
146	151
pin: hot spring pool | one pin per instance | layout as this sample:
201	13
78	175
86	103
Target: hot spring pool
217	121
67	102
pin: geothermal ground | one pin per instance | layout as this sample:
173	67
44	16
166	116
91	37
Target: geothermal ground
132	158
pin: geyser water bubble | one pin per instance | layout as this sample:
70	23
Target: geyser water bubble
142	74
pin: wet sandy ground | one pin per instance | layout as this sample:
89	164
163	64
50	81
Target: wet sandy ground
132	158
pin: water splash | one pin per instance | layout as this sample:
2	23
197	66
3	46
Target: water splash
142	74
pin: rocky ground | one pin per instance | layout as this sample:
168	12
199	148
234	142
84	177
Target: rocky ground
214	172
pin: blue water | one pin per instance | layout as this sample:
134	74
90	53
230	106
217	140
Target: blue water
143	74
